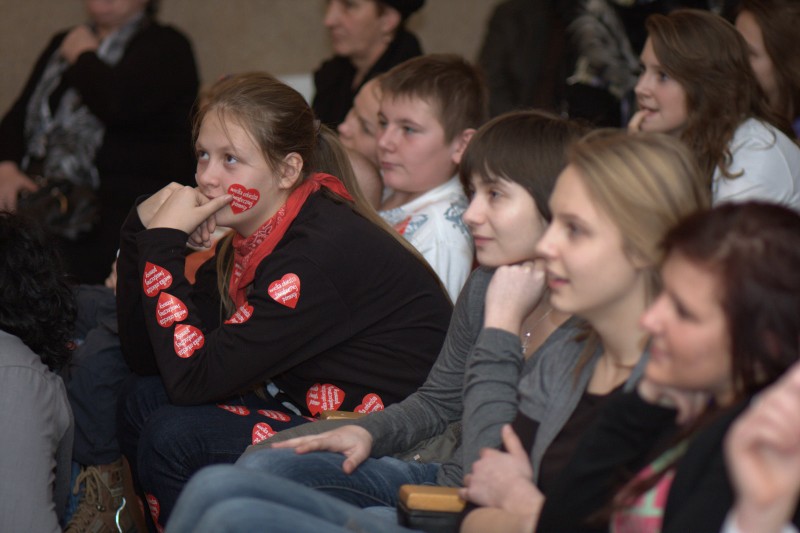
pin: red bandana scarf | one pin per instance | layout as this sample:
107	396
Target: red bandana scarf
250	251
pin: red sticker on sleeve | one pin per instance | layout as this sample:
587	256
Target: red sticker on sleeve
170	309
240	410
275	415
262	431
187	339
155	279
286	291
370	403
325	397
241	315
243	198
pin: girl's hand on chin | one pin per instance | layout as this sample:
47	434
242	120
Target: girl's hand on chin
689	404
513	294
149	207
187	209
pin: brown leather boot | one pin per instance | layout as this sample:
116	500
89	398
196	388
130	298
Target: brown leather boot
103	507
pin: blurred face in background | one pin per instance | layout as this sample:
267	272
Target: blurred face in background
360	29
110	15
360	128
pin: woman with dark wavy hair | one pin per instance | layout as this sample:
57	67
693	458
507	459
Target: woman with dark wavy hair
37	312
697	84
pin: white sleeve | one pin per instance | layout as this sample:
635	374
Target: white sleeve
766	173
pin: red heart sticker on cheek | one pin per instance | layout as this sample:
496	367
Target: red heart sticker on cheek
155	279
325	397
170	309
370	403
275	415
240	410
241	315
262	431
286	291
243	198
187	339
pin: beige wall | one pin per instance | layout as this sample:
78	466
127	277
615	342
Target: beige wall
282	36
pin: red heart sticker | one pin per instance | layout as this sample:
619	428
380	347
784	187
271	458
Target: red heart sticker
240	410
325	397
170	309
187	339
370	403
243	198
155	508
155	279
241	315
262	431
286	291
275	415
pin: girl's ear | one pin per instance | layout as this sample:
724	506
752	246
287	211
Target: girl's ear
291	171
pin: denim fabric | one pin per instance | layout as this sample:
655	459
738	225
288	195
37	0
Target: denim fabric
165	444
374	483
227	498
94	376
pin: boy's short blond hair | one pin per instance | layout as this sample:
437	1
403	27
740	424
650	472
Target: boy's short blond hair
454	89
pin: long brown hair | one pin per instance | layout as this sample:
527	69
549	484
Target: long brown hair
779	21
708	57
645	183
280	122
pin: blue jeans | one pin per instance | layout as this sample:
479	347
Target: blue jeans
374	483
94	376
226	498
165	444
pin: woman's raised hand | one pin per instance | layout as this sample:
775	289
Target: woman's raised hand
513	294
763	454
80	39
185	209
354	442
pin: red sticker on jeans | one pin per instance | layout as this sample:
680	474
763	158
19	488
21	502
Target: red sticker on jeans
240	410
262	431
243	198
241	315
170	309
370	403
275	415
286	291
155	279
186	340
325	397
